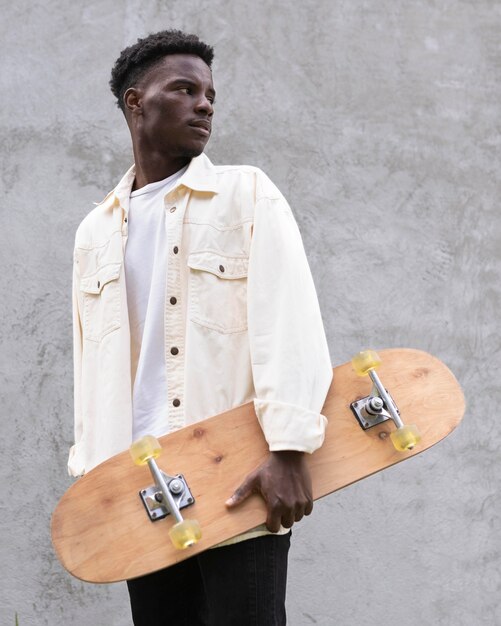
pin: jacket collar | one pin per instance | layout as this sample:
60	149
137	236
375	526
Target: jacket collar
200	176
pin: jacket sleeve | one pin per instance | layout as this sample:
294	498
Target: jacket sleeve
291	365
76	465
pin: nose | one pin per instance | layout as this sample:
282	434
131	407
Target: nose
204	105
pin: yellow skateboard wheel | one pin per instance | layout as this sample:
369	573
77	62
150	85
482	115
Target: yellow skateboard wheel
144	449
405	438
365	361
186	533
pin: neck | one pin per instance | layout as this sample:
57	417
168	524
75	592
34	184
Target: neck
154	166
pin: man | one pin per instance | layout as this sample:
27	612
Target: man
192	295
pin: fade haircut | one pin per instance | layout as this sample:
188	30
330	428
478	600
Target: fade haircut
136	60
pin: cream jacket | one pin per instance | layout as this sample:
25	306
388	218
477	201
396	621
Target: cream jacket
240	307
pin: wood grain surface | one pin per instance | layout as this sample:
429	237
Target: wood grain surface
101	532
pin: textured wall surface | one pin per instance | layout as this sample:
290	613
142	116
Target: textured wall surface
380	123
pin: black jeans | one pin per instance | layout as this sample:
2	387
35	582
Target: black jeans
242	584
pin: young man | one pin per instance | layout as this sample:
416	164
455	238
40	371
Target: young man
192	295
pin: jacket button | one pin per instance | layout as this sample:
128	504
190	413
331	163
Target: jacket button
174	351
175	250
98	284
221	269
173	300
172	209
176	402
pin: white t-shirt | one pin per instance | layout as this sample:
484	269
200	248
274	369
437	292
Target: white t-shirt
145	275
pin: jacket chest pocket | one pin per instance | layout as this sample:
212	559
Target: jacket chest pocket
218	291
101	301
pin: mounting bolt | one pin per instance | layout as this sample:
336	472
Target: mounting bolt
176	486
375	404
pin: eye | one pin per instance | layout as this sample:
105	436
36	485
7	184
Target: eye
186	90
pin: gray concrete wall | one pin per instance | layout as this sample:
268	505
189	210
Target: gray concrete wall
380	123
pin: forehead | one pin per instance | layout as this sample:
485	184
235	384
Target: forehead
176	66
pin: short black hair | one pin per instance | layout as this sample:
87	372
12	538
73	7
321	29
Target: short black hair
137	59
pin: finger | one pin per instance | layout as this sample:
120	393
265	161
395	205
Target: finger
308	508
246	489
273	519
279	515
288	519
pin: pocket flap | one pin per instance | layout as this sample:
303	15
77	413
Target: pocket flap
220	265
93	283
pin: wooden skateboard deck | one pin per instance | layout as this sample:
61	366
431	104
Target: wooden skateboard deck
102	533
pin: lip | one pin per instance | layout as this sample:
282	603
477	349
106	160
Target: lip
204	126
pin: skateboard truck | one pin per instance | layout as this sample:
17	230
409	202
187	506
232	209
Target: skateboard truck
167	496
379	406
155	501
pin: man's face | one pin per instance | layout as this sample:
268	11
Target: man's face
175	105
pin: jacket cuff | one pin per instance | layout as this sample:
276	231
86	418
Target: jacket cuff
76	466
290	427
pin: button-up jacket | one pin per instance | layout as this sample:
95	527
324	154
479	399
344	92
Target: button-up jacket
240	310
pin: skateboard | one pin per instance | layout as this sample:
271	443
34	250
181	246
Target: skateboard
164	501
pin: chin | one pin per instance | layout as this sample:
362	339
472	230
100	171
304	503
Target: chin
194	150
186	151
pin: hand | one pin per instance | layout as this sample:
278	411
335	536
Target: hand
284	482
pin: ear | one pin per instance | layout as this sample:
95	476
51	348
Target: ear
132	101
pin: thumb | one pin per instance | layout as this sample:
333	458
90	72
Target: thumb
245	490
